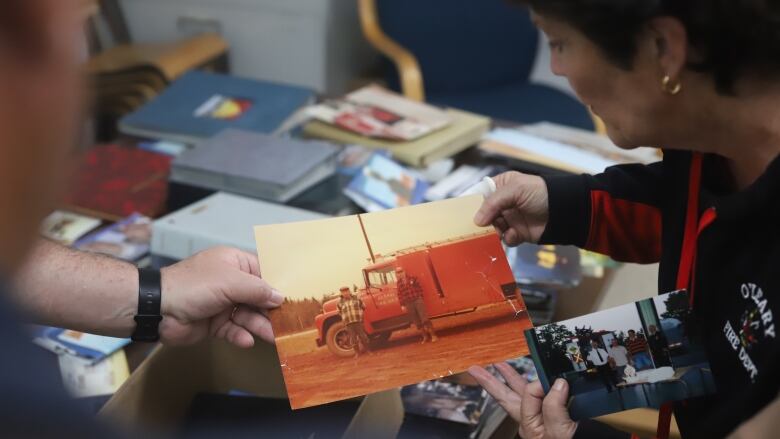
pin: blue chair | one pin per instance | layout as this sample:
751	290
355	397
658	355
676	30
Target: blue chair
475	55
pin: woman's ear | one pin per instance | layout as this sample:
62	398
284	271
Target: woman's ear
668	41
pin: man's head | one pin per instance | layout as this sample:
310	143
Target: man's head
594	342
400	273
40	113
652	329
345	293
614	342
631	334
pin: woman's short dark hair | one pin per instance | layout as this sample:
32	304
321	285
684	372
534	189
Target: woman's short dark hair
729	37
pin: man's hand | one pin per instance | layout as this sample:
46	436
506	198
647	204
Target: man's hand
539	417
518	209
217	292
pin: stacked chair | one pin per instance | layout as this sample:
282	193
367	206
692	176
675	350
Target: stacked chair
127	75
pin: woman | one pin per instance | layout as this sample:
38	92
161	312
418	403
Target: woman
702	80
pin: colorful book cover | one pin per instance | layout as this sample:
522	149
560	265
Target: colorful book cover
83	378
201	104
67	227
642	354
545	265
450	399
65	341
117	181
375	112
384	184
128	239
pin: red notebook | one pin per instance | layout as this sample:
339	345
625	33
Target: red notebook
114	182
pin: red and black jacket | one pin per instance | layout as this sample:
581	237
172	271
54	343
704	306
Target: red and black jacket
723	245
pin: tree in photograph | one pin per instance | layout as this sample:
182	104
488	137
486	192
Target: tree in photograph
555	336
584	336
678	307
295	315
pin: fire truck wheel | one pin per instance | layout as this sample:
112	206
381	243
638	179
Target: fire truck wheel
337	339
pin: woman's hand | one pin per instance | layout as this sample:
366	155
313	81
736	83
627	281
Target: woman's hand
518	209
539	416
217	292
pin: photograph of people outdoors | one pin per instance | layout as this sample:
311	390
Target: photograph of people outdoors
637	355
388	299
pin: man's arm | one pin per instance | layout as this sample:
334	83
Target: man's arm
71	289
217	292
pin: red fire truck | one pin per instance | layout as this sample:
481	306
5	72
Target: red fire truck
456	276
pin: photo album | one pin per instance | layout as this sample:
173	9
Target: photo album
387	299
642	354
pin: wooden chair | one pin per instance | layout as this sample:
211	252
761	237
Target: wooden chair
125	75
169	60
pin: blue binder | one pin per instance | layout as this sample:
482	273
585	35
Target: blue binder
200	104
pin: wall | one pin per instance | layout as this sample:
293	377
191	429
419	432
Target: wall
315	43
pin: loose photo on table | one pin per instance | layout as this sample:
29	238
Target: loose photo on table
390	298
637	355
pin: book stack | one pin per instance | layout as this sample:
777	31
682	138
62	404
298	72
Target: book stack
256	165
416	134
562	148
220	219
199	105
126	76
114	182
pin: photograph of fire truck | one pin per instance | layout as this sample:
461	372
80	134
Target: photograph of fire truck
637	355
389	299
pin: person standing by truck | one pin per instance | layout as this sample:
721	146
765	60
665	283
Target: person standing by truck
351	311
410	296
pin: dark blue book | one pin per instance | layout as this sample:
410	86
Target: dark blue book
200	104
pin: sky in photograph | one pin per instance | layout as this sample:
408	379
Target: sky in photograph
621	318
312	258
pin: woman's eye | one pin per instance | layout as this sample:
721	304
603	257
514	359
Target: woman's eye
556	45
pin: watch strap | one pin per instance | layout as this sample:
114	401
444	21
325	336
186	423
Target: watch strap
149	300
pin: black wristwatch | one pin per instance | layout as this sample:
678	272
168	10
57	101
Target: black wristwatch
149	298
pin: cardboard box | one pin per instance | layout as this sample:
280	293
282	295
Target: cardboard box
642	422
158	394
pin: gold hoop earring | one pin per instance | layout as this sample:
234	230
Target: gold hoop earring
667	87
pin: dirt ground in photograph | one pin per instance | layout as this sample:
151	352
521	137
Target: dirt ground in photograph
315	376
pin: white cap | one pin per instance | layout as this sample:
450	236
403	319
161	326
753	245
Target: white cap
485	187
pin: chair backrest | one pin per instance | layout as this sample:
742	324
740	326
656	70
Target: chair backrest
462	44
